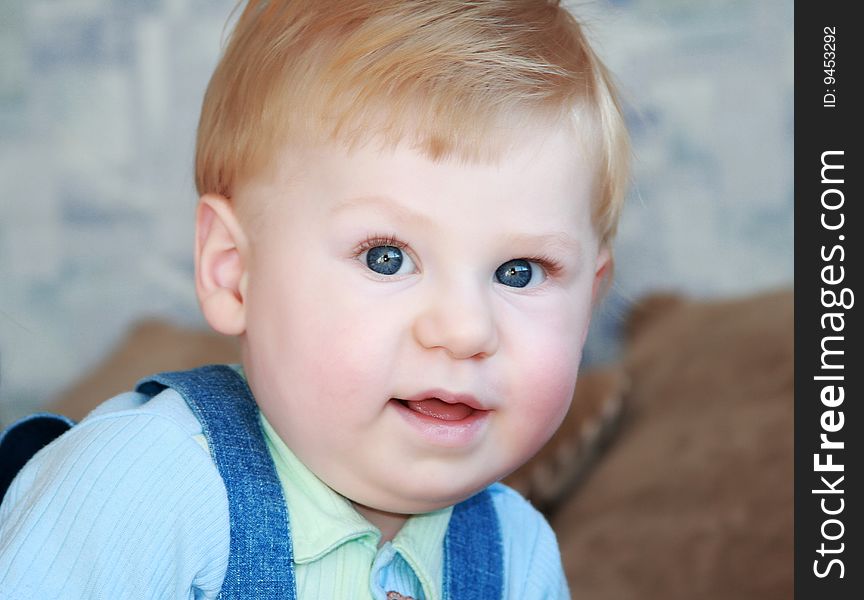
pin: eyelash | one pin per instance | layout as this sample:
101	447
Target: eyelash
551	266
379	240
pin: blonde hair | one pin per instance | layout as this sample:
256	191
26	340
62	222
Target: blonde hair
444	75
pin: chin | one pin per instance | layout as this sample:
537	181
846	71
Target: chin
424	498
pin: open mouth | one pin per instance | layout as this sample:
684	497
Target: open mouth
443	418
449	423
436	408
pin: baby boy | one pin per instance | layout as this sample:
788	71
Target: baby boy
406	210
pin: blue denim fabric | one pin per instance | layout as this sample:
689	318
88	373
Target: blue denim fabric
473	554
260	564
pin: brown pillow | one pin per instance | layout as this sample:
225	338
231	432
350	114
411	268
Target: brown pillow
694	498
150	346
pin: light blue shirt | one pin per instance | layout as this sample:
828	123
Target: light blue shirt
130	505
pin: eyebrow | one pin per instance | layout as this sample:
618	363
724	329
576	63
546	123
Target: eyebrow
384	204
555	242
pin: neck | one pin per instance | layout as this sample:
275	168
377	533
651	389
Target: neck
388	523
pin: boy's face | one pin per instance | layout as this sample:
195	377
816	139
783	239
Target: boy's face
412	328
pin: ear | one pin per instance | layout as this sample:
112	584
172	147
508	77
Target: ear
220	264
602	274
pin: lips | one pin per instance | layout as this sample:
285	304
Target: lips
438	409
443	418
443	405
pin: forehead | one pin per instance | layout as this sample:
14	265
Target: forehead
541	170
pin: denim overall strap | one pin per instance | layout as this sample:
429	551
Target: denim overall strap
473	553
260	563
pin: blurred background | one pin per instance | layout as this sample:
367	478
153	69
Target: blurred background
98	108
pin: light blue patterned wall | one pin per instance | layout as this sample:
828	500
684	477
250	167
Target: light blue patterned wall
99	101
710	103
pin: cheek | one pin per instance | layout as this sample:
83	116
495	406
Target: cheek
334	346
544	401
548	356
548	387
547	344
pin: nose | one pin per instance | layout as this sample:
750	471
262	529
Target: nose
459	321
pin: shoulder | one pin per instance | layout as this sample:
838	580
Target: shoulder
509	502
519	520
130	485
119	439
532	561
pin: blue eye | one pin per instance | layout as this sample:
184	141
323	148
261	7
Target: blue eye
388	260
519	273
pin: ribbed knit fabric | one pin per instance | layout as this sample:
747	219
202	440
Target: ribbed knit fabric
129	505
123	506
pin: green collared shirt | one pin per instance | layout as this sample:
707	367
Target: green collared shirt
336	551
